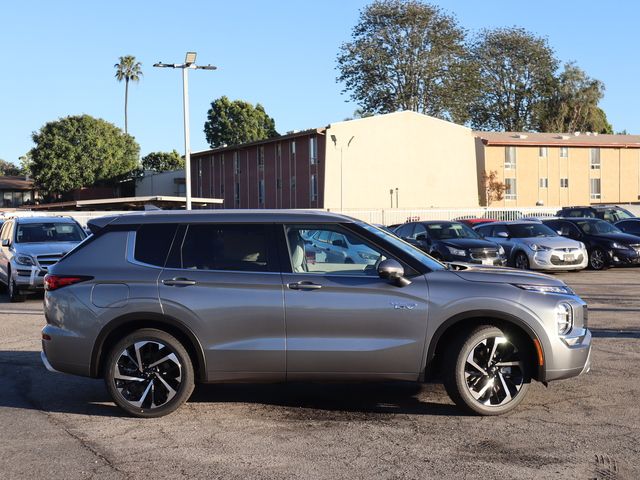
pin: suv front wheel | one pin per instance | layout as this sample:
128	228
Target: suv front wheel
149	373
487	372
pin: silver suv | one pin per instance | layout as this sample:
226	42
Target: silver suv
29	246
154	302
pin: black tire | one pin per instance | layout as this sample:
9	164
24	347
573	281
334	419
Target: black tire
521	261
14	293
154	383
490	389
598	259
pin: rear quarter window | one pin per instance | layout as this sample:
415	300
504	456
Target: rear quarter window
153	242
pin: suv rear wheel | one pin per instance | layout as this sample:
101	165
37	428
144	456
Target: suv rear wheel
486	372
149	373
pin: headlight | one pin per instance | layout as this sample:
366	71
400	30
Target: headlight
24	260
559	289
457	252
538	248
564	318
500	250
619	246
368	256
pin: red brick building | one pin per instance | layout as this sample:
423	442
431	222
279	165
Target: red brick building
282	172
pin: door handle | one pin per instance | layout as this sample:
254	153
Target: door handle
304	286
178	282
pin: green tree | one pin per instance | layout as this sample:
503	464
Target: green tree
235	122
162	161
406	55
573	105
9	169
515	77
127	69
79	151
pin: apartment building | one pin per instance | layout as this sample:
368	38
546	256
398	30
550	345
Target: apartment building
402	159
580	168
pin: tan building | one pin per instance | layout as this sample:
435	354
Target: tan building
560	169
402	159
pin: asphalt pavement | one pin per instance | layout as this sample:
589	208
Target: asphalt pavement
60	426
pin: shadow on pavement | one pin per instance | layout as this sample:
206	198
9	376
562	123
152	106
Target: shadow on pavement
26	384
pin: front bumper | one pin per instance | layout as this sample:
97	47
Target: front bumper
28	277
572	357
620	257
491	261
558	260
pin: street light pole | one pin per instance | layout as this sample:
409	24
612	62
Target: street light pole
189	63
334	139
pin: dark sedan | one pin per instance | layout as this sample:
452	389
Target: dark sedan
451	242
607	245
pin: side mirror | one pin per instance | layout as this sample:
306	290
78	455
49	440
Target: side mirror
502	234
560	232
5	242
391	270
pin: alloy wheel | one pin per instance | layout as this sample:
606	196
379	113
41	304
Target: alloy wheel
147	374
597	259
494	371
521	261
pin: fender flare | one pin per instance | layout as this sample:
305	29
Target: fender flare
154	318
489	314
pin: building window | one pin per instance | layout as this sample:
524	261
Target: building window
293	183
595	188
313	150
510	157
564	152
236	193
292	149
544	183
260	159
564	183
222	189
261	192
236	164
543	152
511	192
314	187
595	158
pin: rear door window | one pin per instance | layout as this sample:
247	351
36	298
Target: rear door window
153	242
231	247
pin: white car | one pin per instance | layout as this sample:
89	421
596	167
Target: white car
533	245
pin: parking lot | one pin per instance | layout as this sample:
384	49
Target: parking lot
59	426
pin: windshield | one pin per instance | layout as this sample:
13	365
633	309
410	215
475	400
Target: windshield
529	230
597	227
450	231
405	247
615	214
49	232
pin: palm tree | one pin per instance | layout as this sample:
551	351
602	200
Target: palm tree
128	69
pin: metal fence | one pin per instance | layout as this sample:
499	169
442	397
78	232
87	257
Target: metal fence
392	216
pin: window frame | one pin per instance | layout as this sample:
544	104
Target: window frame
543	152
595	162
544	182
592	194
564	150
507	182
274	260
510	161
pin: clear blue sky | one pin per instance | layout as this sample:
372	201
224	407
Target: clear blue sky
57	59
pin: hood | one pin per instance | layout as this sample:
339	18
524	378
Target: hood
467	243
552	242
488	274
45	248
619	237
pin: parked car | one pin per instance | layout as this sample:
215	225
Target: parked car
474	222
630	226
609	213
451	242
335	247
29	246
533	245
154	302
606	245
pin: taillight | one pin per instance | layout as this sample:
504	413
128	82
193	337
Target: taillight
54	282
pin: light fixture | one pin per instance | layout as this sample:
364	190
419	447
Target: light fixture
190	58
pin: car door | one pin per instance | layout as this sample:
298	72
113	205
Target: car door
343	321
497	234
223	280
5	255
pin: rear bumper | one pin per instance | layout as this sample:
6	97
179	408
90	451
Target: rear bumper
63	351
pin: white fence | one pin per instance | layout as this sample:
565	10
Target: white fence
392	216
